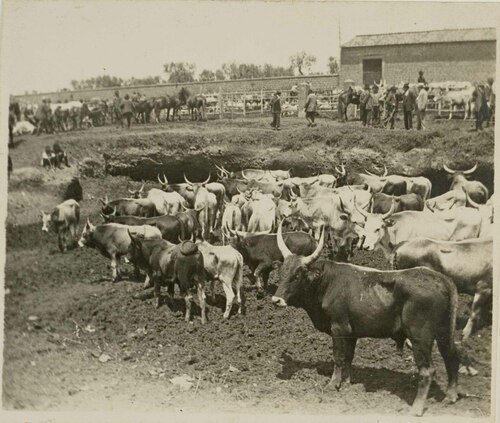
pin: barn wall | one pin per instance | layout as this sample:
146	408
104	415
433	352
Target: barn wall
464	61
243	85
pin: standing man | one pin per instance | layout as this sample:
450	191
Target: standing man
391	107
363	98
408	106
375	105
275	104
40	116
479	99
310	108
117	111
127	109
421	106
421	79
490	98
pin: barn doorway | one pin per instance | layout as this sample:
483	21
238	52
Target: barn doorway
372	71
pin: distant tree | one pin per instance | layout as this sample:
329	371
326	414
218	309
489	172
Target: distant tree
180	72
207	75
219	75
269	71
148	80
333	65
249	71
102	81
302	60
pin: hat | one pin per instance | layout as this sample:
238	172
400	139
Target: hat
406	85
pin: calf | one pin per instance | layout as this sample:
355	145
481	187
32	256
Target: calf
224	264
468	263
112	240
350	302
64	220
382	203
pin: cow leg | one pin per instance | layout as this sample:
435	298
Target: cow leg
479	303
203	303
157	290
422	348
147	282
343	348
228	291
257	273
61	241
188	298
114	268
239	295
451	360
452	107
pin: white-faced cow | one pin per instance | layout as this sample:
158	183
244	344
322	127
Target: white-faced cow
349	302
64	220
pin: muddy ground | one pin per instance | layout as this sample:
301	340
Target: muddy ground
62	313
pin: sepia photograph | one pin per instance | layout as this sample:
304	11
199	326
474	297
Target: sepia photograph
268	209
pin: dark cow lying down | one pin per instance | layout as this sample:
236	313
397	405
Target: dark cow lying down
350	302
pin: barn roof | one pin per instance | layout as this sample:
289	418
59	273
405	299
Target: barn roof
423	37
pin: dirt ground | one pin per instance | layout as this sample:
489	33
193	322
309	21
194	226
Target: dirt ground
75	341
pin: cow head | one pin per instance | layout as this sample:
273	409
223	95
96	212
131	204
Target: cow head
459	175
88	231
163	183
137	193
197	185
341	175
135	247
375	227
295	271
46	221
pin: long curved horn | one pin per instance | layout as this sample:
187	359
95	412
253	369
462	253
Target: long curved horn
114	212
159	180
391	210
314	256
187	180
184	207
244	176
142	188
165	180
447	169
360	211
470	200
131	192
471	170
200	209
285	252
241	234
385	171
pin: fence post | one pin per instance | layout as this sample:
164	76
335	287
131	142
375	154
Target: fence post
262	101
244	104
232	105
221	104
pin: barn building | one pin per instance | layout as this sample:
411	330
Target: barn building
443	55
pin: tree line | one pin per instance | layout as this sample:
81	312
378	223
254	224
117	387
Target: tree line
181	72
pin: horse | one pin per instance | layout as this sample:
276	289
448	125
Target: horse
167	102
143	109
196	104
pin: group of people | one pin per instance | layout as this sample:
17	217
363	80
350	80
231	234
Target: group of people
123	109
310	108
483	98
54	157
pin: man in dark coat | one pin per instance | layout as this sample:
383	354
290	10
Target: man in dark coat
311	108
275	104
409	100
391	107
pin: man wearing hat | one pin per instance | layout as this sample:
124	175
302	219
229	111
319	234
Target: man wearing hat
310	108
421	105
275	104
391	106
408	105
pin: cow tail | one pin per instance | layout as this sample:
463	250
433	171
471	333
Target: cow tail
453	303
77	214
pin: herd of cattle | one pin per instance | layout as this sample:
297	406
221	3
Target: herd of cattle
437	246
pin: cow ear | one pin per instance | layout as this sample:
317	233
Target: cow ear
389	222
313	274
276	264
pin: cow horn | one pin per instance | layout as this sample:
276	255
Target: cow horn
285	252
360	211
142	188
470	200
471	170
200	209
104	216
391	210
371	174
243	174
427	204
114	212
342	205
187	180
131	192
239	234
385	171
447	169
314	256
165	180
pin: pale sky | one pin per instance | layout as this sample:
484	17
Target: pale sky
46	44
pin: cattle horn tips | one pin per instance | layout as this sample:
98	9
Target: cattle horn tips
285	252
471	170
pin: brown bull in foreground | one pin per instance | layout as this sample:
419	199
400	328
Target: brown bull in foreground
350	302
